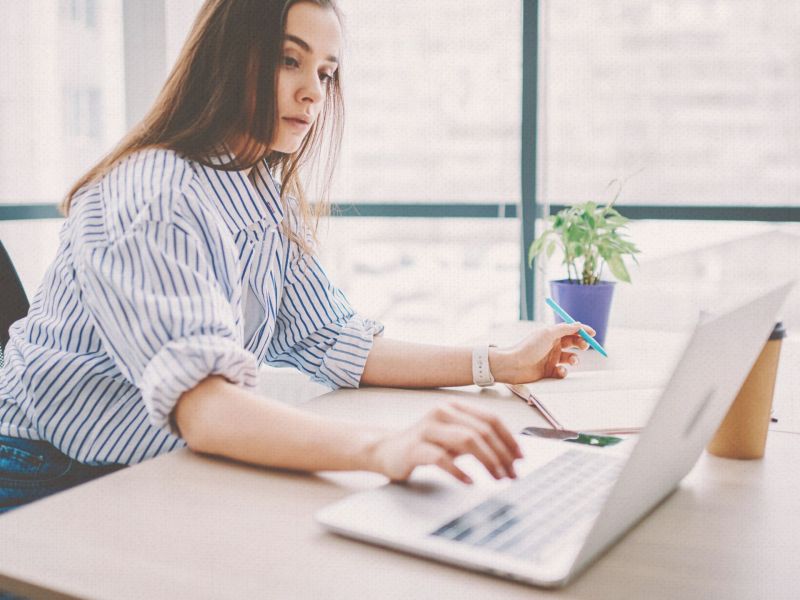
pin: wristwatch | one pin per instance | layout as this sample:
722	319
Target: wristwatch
481	373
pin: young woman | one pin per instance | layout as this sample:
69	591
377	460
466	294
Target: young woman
187	259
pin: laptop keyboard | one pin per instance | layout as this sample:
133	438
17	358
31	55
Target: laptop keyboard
539	510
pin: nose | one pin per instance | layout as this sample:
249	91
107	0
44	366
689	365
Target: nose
311	89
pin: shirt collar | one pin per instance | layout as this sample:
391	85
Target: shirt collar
240	203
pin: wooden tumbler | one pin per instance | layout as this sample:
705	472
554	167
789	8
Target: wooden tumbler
743	433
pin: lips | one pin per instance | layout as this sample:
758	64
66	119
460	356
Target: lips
299	120
297	125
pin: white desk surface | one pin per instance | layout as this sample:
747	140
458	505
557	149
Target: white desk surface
187	526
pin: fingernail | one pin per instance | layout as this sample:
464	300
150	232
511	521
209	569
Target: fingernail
468	479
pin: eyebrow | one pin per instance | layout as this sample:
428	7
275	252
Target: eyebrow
304	45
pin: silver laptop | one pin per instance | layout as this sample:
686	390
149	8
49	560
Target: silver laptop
570	502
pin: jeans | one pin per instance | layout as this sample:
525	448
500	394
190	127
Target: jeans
30	470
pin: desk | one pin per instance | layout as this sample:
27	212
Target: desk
187	526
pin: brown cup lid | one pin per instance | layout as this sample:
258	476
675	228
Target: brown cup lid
778	332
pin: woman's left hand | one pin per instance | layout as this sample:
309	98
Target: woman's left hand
544	353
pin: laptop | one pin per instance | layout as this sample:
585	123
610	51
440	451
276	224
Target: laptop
570	502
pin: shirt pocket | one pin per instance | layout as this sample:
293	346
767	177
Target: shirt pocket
263	229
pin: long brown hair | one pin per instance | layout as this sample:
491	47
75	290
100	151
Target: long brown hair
232	56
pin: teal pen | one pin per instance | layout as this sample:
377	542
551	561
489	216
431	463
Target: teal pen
567	319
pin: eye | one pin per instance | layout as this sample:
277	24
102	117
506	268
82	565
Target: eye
288	61
325	77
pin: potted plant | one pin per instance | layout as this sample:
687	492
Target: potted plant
590	237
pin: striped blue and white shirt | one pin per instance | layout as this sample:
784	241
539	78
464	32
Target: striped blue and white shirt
169	271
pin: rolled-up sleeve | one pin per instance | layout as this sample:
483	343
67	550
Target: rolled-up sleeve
317	331
164	309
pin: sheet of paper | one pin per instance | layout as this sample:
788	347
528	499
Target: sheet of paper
614	379
601	409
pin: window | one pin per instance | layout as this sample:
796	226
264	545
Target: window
427	280
61	108
61	94
702	96
432	96
698	102
432	101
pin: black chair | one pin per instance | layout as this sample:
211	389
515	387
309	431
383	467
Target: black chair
13	300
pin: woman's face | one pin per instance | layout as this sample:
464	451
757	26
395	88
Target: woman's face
311	47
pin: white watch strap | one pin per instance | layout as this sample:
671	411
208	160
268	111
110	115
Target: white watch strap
481	373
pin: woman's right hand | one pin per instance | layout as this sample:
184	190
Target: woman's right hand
442	435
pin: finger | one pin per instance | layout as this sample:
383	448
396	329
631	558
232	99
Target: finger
459	439
552	366
507	445
574	341
446	462
565	329
430	454
497	425
568	358
482	424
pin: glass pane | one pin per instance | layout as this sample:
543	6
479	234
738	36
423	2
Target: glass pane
32	247
427	280
702	96
179	16
432	99
61	93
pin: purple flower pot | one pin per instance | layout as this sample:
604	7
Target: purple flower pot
589	304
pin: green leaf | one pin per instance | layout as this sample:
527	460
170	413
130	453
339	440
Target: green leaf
551	247
618	268
617	221
531	254
576	249
537	244
571	234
